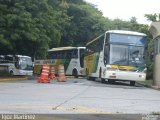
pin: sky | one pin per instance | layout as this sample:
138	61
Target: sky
125	9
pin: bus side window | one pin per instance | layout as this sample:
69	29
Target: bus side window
107	38
82	52
106	54
17	65
75	53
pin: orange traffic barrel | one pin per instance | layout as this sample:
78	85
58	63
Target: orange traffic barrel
44	78
52	73
61	74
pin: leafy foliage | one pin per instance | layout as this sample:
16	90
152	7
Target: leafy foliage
27	27
153	17
31	27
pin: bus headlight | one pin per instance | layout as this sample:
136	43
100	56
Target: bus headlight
141	76
109	67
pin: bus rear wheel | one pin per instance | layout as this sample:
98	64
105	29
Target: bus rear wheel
132	83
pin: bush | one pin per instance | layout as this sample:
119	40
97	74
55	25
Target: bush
150	66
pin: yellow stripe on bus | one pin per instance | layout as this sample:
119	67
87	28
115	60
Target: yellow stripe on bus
123	67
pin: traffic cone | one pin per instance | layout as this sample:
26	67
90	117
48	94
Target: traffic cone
52	73
44	78
61	74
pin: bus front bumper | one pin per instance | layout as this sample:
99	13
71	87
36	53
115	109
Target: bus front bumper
124	75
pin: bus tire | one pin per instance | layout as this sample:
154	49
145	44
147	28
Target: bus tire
87	74
103	80
92	78
110	81
132	83
75	73
11	73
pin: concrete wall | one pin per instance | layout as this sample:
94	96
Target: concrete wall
157	71
155	31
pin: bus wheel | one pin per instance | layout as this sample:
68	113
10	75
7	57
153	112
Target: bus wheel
103	80
75	73
11	73
93	78
132	83
87	74
110	81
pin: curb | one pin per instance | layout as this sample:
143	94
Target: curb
148	86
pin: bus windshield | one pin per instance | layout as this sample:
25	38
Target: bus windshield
25	63
127	55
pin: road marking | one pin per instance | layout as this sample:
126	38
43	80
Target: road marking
83	109
12	79
78	109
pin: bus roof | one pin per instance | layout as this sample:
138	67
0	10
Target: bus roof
126	32
10	55
65	48
118	32
23	56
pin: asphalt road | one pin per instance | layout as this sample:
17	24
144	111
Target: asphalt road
78	96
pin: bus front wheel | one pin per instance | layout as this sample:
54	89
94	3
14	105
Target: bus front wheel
87	74
75	73
110	81
11	73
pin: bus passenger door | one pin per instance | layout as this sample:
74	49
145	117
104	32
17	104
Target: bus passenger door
106	54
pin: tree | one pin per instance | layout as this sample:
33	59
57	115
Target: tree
133	20
86	22
28	27
31	27
153	17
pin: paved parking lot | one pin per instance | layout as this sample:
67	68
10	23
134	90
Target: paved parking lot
77	96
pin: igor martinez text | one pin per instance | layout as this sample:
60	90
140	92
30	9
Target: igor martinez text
17	117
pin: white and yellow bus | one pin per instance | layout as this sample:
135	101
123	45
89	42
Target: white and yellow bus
71	57
116	55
